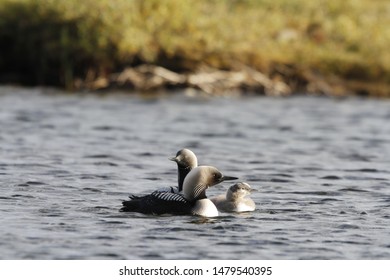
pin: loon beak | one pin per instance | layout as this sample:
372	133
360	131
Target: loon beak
228	178
173	159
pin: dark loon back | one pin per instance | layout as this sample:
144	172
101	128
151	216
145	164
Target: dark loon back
158	203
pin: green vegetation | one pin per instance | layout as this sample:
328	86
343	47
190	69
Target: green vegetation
61	41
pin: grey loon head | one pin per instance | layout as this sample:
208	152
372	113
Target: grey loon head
238	190
186	160
199	179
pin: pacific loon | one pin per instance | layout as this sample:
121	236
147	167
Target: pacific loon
186	160
192	200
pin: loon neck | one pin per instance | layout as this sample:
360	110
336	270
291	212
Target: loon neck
198	192
182	173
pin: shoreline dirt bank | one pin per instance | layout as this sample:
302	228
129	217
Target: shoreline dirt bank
283	81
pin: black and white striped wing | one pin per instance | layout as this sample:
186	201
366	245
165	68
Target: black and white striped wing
168	189
159	203
169	196
169	203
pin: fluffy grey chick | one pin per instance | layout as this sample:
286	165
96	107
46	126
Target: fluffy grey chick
235	199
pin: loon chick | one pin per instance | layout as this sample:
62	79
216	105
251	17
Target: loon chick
235	199
193	200
186	160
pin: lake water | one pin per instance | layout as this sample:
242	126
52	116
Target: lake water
320	167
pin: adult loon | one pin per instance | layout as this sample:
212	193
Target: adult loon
186	160
193	199
235	199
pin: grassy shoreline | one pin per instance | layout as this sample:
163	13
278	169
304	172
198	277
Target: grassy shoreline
340	47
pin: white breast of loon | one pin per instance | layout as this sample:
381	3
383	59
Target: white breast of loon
244	207
205	208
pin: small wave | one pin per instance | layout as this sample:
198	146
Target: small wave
348	226
104	237
152	178
232	243
331	177
103	156
32	183
145	154
109	255
151	256
22	196
351	242
92	190
282	175
352	189
112	222
105	163
6	197
180	229
364	170
283	210
108	128
320	193
94	176
51	212
277	180
330	200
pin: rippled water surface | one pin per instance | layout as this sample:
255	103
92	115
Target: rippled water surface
321	168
